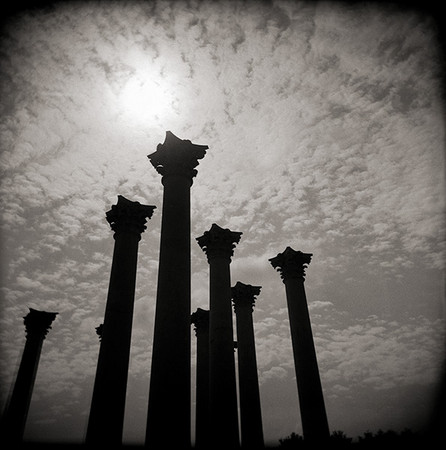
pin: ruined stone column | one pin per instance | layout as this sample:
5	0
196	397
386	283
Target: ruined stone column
168	414
127	219
243	298
37	324
292	264
200	319
219	244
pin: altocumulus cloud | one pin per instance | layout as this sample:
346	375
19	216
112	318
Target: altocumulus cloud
325	130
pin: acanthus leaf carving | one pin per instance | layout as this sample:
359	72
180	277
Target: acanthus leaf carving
219	242
129	216
291	263
177	156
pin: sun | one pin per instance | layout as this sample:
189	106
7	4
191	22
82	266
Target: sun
146	99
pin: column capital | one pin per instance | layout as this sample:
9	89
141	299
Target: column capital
38	323
291	263
200	318
177	156
219	242
99	330
244	295
128	216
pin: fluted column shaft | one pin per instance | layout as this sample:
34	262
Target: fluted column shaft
169	396
243	297
106	419
37	325
218	245
201	321
292	264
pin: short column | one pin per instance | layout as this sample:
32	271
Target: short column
127	219
37	323
218	244
200	318
243	298
291	265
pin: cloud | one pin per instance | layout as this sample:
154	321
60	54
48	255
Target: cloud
276	373
325	133
382	355
318	304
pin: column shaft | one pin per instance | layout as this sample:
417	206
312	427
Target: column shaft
13	423
311	400
202	397
250	409
201	320
222	393
17	412
106	419
169	397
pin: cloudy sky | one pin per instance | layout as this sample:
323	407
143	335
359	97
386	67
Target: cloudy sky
325	129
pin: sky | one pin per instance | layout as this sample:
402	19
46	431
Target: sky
325	127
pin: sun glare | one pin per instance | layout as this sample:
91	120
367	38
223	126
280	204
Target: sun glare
144	100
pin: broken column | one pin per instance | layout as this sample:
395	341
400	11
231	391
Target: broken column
200	319
291	265
219	244
127	219
169	407
243	298
37	324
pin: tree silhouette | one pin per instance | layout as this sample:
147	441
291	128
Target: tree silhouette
292	441
338	440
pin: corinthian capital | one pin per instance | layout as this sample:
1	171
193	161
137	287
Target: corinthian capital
38	323
244	295
219	242
99	330
177	156
200	318
291	263
128	216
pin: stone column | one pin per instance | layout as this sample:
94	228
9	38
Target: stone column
243	298
200	319
292	264
37	324
168	415
218	244
127	219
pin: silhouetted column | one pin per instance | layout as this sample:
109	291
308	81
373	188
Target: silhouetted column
292	264
218	244
200	319
243	298
127	219
168	414
37	324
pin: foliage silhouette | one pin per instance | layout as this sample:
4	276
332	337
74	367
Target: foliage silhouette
338	440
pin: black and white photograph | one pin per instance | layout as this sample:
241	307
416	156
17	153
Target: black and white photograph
222	224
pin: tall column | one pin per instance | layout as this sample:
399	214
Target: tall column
292	264
243	298
168	415
127	219
200	319
37	324
218	244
